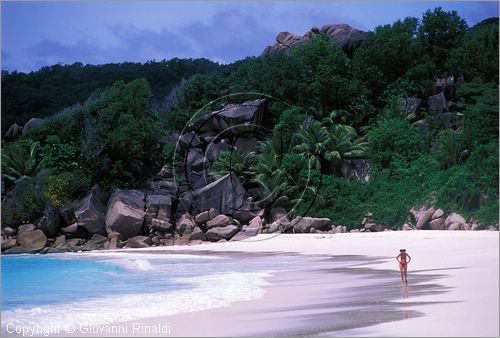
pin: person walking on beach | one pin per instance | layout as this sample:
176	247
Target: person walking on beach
403	259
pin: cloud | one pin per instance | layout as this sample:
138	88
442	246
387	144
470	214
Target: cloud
229	36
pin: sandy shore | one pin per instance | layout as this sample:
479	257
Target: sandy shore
465	264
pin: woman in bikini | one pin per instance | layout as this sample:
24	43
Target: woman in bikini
403	259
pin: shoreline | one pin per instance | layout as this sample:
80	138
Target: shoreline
467	265
305	302
453	288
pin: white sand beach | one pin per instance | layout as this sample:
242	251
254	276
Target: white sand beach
466	263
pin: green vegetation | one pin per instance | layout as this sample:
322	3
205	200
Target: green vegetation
327	109
51	89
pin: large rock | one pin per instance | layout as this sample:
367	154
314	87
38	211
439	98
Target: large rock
215	149
196	160
125	213
50	223
375	227
25	227
454	218
219	221
32	241
160	225
159	207
8	243
205	216
279	215
426	217
437	224
67	216
32	124
74	231
347	37
8	231
456	226
90	213
305	224
13	132
139	242
189	140
411	106
96	242
254	227
234	119
216	234
417	213
185	223
226	196
197	235
248	211
437	103
445	86
437	214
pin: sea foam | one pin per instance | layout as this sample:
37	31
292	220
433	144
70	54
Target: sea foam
209	291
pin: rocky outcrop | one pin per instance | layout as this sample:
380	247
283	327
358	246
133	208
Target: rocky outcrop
347	37
226	195
159	207
411	106
233	119
125	213
32	124
13	132
305	224
425	218
437	103
91	210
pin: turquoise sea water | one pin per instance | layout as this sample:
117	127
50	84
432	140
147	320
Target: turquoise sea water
102	288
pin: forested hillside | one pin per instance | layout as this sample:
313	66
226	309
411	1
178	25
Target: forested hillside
44	92
415	109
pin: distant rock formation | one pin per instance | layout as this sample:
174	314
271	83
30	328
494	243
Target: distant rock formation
347	37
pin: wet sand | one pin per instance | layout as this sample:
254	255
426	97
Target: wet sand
305	302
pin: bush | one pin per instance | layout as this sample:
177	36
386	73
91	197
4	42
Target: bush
65	187
59	156
26	201
394	137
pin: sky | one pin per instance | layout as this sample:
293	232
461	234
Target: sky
37	34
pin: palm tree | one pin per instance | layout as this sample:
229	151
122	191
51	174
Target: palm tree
327	143
235	161
269	173
19	160
313	143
